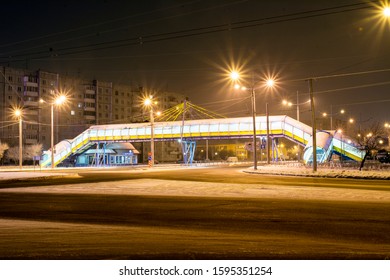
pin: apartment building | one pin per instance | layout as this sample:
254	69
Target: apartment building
89	102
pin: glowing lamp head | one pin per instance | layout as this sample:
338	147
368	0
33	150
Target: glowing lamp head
386	12
234	75
18	113
147	101
270	83
60	100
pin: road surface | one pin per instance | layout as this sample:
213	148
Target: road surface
198	213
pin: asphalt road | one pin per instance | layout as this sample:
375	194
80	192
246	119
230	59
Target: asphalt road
217	213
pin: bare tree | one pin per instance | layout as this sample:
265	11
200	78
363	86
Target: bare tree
13	154
367	139
3	148
31	151
28	152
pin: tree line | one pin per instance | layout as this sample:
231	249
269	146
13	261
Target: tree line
12	153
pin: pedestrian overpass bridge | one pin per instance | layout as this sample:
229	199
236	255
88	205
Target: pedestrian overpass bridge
328	143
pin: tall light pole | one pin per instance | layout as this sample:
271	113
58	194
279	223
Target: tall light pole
342	111
269	83
52	134
254	140
313	125
58	100
148	102
18	114
287	103
386	12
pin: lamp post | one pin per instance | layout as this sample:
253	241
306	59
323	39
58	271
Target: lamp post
313	125
342	111
386	12
18	114
59	100
289	104
148	102
269	83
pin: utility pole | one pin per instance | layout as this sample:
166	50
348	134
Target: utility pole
253	95
152	135
313	125
298	147
20	143
268	139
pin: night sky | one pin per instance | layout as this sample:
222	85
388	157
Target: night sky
189	47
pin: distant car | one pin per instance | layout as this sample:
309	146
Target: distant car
383	156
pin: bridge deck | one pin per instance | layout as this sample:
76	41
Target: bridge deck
279	126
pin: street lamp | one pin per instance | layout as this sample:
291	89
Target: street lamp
148	102
235	76
289	104
386	12
58	101
18	114
342	111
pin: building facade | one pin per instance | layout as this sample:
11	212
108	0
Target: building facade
89	102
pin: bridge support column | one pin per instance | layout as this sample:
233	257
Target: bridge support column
97	155
188	148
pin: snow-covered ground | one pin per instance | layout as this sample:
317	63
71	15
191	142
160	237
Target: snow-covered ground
15	175
289	169
307	171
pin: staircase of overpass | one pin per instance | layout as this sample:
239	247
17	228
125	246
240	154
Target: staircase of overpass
328	143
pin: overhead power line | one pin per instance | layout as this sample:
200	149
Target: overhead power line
144	39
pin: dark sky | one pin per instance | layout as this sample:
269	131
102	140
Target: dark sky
186	46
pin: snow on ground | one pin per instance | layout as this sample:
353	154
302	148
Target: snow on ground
15	175
290	169
362	191
155	187
307	171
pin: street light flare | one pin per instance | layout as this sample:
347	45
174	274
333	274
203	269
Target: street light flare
147	101
234	75
270	82
386	12
18	112
60	100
